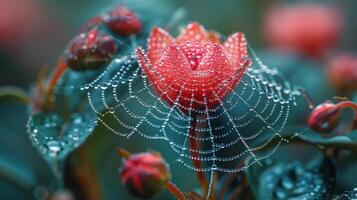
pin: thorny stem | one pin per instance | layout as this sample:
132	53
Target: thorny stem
195	154
175	191
60	70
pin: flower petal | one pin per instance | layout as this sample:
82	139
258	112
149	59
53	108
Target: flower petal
193	31
158	41
214	58
173	64
236	48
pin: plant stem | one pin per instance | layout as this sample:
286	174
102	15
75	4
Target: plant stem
237	192
195	156
353	105
226	183
57	169
229	178
85	176
60	70
175	191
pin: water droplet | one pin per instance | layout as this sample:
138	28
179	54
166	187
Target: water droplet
54	147
111	110
287	183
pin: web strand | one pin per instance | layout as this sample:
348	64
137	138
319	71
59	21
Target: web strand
247	123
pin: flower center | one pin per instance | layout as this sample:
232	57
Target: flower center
193	51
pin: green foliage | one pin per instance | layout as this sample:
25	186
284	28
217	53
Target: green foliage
281	178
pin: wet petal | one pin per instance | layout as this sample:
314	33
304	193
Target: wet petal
236	48
193	51
215	59
158	41
193	31
173	63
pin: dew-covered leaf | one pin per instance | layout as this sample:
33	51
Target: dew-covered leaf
346	141
292	180
55	137
347	195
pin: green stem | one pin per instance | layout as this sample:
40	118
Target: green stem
57	168
353	105
12	93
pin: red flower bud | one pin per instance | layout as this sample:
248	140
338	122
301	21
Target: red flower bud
307	28
145	174
123	21
324	118
342	72
90	51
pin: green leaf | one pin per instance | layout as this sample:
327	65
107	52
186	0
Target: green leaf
293	179
17	175
11	93
347	141
55	137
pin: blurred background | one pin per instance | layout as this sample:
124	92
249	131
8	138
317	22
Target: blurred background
303	43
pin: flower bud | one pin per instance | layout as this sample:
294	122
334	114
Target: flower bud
342	72
145	174
311	29
90	51
123	21
324	118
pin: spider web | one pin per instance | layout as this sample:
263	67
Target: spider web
247	122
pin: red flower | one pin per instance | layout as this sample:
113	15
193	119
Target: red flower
195	67
145	174
90	50
310	29
123	21
342	72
